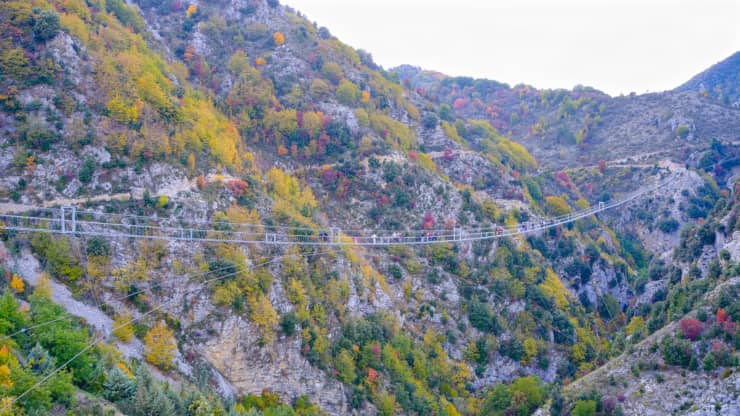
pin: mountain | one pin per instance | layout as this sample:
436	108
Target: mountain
720	81
250	217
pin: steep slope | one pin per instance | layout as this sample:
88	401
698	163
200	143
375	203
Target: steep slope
719	82
240	115
567	128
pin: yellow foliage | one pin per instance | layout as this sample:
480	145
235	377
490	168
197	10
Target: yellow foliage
43	287
263	314
205	126
5	376
530	350
553	287
426	162
75	26
582	204
451	132
635	325
16	283
123	112
396	134
287	187
160	346
556	205
122	328
312	122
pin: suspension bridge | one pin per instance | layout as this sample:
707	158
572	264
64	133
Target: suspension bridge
68	220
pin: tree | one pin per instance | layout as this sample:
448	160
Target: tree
278	38
263	314
87	170
192	9
584	408
160	346
332	71
345	366
118	386
16	283
46	26
122	328
556	205
348	93
691	328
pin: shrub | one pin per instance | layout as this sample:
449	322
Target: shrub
668	225
46	25
584	408
676	351
87	170
288	323
691	328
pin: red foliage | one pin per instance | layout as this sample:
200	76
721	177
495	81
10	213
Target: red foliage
413	155
428	222
460	103
372	375
722	316
237	187
691	328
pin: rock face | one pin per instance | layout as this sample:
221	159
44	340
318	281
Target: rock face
278	367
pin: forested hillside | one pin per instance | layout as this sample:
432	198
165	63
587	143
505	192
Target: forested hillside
232	116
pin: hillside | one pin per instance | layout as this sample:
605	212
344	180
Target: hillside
172	127
720	82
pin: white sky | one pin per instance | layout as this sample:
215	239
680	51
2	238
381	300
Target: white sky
617	46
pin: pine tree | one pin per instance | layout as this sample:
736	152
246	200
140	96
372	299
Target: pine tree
118	386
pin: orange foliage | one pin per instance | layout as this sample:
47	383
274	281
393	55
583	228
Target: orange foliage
278	38
282	150
189	53
192	9
237	187
260	61
372	375
365	97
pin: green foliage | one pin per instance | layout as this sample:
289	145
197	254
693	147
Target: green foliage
126	14
676	351
584	408
46	25
668	225
521	397
87	170
348	93
56	254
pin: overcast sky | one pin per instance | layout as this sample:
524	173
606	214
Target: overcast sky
617	46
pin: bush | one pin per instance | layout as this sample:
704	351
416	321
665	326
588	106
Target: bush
288	323
668	225
584	408
46	25
691	328
676	351
87	170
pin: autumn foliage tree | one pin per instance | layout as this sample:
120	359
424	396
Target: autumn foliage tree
160	346
278	38
691	328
